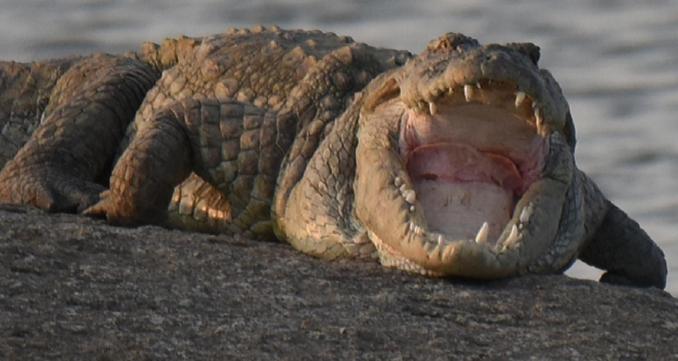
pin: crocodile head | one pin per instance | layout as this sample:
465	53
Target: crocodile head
464	160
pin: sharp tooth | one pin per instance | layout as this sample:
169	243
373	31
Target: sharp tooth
412	227
512	237
411	208
450	91
484	230
432	108
440	239
410	196
397	181
538	118
520	98
402	188
468	92
525	214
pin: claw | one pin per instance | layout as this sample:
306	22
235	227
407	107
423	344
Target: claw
99	209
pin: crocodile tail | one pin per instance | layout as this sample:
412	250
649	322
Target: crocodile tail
618	245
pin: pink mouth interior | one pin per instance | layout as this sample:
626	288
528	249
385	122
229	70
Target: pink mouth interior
461	163
470	168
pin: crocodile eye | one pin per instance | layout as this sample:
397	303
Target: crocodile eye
389	90
528	49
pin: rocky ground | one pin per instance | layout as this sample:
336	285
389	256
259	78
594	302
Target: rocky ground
72	288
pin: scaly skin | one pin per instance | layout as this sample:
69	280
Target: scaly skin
310	138
25	92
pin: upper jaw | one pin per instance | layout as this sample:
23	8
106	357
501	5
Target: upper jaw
468	69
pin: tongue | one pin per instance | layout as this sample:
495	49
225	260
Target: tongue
460	188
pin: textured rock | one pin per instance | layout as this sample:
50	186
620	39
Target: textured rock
74	288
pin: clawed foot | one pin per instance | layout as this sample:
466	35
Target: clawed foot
106	208
100	209
118	212
48	190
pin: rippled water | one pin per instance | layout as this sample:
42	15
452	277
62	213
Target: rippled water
616	60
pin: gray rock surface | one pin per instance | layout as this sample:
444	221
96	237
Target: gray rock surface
73	288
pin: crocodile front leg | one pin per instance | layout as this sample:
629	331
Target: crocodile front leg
72	149
236	147
144	177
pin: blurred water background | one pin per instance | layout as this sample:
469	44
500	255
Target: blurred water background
617	62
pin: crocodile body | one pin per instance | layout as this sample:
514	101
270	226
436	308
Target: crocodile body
455	162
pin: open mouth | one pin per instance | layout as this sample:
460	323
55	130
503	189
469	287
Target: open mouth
468	181
471	157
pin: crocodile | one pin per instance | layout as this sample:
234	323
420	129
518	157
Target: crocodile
456	162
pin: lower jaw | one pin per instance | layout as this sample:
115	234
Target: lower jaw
405	241
441	253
